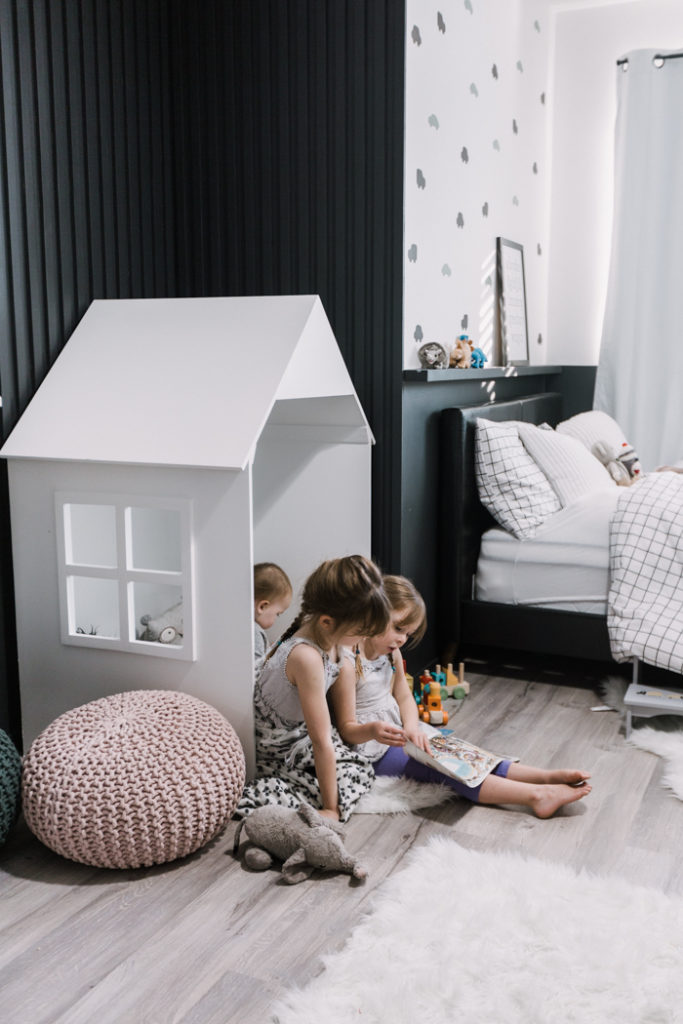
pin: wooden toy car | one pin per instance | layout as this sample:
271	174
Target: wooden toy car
432	711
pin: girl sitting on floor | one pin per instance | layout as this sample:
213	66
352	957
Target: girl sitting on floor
376	713
298	754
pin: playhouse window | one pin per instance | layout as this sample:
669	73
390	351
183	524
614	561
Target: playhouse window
125	571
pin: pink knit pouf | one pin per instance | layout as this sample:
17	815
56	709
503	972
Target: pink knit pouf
131	780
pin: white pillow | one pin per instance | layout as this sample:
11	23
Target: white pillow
511	486
570	468
594	425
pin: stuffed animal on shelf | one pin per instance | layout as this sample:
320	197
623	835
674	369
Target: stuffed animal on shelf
432	356
478	359
165	628
461	353
622	463
299	837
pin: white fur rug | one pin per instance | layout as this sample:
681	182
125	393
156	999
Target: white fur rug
668	746
664	737
399	796
465	936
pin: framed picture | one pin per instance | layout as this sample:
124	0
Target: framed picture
512	303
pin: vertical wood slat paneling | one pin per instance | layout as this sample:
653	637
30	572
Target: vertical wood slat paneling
63	182
301	104
17	369
37	361
53	298
82	168
79	195
89	88
86	204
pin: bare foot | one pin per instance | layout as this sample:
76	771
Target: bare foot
548	799
568	776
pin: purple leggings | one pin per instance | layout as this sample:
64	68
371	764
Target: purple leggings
396	762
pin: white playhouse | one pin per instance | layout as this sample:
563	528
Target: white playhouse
173	444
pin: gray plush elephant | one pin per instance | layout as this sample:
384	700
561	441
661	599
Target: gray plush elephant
299	837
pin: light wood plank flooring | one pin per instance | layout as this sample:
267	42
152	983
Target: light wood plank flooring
203	941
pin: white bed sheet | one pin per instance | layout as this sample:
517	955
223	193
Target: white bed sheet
565	565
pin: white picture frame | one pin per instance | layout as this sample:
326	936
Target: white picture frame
514	334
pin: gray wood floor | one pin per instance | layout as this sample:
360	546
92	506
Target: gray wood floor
203	940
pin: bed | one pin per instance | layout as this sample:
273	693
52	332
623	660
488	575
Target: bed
554	590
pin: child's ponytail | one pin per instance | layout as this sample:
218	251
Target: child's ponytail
290	631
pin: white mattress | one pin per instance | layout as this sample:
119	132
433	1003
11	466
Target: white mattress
565	565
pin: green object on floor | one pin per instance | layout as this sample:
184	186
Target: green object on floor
10	784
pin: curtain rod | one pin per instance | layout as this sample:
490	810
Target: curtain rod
658	57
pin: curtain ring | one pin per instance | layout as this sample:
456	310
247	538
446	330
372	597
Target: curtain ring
658	60
624	64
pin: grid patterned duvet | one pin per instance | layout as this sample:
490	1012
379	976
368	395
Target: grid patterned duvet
645	604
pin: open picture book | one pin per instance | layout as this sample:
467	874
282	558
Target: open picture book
461	760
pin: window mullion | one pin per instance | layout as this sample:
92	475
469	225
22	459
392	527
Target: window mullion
122	563
94	571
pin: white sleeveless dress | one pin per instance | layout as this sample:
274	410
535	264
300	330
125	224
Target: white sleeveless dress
375	701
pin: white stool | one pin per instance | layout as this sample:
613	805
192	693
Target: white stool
643	701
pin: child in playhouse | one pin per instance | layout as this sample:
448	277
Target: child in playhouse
298	754
376	714
272	597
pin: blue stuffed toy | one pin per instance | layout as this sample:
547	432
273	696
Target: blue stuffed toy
478	359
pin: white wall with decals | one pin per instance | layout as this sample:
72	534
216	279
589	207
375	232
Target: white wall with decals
476	165
510	116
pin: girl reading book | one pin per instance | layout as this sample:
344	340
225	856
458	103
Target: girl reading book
376	714
299	756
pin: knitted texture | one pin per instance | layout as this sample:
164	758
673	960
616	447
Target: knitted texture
10	784
131	780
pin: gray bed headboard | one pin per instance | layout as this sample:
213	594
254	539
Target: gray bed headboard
463	518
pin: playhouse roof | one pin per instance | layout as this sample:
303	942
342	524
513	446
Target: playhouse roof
188	382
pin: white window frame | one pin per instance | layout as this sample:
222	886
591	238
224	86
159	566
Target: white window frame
126	575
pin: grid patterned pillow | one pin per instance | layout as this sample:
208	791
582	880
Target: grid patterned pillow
570	468
511	486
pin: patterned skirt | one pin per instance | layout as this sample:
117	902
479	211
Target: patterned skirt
285	767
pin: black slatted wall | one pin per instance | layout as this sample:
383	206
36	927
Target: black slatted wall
158	147
87	200
86	197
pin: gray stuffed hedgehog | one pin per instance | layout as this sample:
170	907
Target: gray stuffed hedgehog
299	837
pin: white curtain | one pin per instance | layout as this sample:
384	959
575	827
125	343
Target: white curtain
640	372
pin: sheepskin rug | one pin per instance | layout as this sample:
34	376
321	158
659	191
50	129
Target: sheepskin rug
460	935
668	746
664	737
400	796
